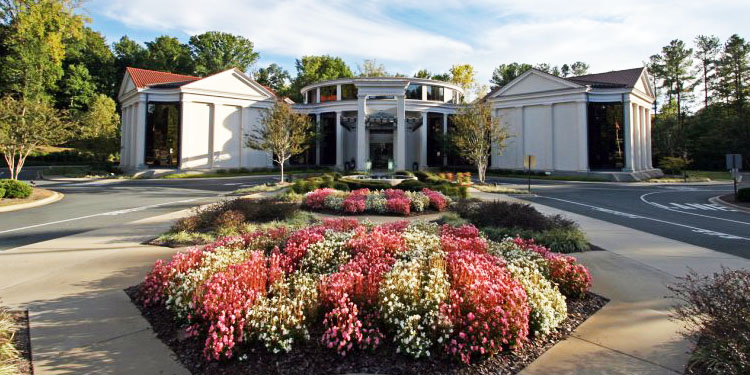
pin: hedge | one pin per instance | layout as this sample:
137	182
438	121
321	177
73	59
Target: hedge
743	195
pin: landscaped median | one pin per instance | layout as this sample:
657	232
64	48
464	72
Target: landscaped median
341	296
18	195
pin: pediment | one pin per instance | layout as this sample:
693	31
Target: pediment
231	81
534	81
644	84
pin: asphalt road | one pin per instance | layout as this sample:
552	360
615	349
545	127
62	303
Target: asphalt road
98	204
681	212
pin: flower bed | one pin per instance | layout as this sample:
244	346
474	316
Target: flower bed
429	291
359	201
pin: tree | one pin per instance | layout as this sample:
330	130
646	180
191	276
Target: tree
707	50
734	69
547	68
505	73
35	44
371	68
216	51
445	77
25	125
463	75
275	77
283	133
93	52
423	73
99	126
474	133
311	69
127	53
677	62
77	88
565	70
579	68
167	54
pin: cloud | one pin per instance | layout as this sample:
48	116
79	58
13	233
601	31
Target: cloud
408	35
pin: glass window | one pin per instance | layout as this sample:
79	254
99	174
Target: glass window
435	93
311	96
327	94
348	92
606	136
414	91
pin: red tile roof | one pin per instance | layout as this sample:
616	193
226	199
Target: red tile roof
145	77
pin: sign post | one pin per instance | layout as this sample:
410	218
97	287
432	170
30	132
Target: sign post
734	164
529	161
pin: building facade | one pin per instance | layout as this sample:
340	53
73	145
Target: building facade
598	123
380	123
592	124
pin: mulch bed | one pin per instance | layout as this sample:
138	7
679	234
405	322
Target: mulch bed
731	199
312	358
22	341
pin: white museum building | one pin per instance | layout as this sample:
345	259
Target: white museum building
598	123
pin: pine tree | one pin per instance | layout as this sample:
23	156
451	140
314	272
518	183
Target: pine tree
734	69
706	51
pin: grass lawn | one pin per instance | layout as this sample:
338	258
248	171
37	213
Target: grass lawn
713	175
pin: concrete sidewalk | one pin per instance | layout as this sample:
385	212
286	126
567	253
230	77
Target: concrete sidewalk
82	322
632	334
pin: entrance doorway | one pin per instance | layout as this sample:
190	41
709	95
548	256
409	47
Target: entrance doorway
381	148
163	135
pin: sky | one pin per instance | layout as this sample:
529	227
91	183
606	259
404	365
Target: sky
408	35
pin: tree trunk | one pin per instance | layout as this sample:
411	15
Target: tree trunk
481	170
282	172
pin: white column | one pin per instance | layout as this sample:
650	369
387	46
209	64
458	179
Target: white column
424	92
317	95
627	109
132	141
636	137
445	136
649	151
338	92
140	135
583	137
644	145
339	141
317	139
552	135
423	142
212	151
400	149
123	137
361	132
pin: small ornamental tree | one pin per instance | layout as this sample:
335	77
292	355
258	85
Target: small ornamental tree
26	125
475	131
282	132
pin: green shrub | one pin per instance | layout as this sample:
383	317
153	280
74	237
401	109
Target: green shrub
452	219
15	189
559	240
231	214
509	215
403	173
2	191
743	195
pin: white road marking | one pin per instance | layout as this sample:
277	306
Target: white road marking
682	207
233	183
634	216
643	199
110	213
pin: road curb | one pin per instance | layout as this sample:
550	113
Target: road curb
42	202
717	200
